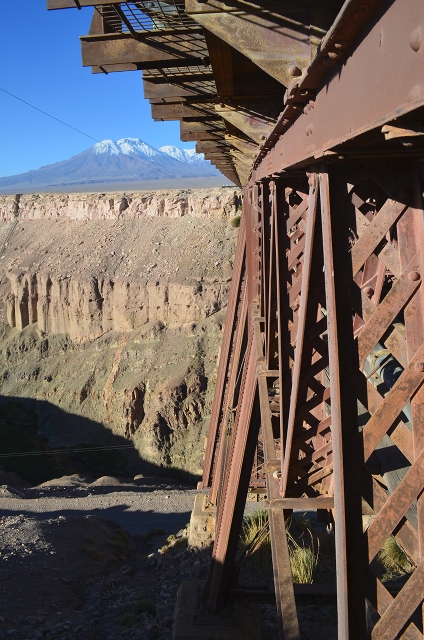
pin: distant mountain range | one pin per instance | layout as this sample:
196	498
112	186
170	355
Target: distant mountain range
127	160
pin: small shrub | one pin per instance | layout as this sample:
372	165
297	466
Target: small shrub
235	222
174	543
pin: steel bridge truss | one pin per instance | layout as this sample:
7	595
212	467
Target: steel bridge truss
318	110
333	259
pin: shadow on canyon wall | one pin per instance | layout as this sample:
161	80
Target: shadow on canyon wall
93	448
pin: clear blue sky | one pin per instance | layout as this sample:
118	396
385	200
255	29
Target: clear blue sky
41	63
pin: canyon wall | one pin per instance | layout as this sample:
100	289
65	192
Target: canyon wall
113	306
216	203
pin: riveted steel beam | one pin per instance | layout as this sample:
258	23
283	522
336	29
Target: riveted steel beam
279	38
199	136
155	91
383	74
177	111
249	148
255	119
210	145
112	49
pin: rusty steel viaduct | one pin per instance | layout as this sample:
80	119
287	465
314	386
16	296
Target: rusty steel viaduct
315	108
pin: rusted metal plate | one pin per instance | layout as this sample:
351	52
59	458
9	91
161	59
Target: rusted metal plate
321	502
402	438
381	94
177	111
153	90
345	437
236	483
255	125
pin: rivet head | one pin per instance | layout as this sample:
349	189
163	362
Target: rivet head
294	71
419	367
416	39
414	276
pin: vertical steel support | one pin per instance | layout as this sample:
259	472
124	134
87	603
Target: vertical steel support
224	357
346	438
235	486
301	323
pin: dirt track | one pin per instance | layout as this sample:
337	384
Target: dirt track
67	570
137	508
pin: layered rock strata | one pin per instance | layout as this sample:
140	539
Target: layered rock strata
112	316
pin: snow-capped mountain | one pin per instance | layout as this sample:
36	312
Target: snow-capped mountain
109	161
184	155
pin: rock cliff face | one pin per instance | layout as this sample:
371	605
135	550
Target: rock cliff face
112	316
198	203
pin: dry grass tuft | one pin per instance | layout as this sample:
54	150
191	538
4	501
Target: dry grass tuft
235	222
255	546
255	543
394	560
303	560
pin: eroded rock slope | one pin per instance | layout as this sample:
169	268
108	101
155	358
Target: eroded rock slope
112	316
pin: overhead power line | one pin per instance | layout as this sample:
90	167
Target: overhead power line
43	453
49	115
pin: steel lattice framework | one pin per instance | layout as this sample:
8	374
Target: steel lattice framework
319	112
